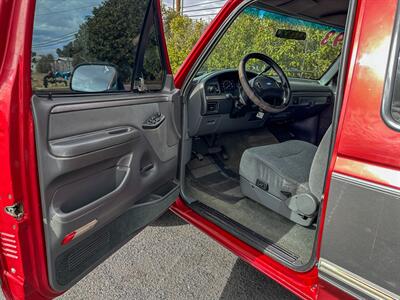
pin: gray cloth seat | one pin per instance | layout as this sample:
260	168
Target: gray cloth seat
287	177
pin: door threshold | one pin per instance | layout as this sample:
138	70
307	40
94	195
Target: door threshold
248	236
299	281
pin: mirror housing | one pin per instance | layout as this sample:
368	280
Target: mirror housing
94	78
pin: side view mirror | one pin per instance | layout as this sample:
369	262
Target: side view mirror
95	78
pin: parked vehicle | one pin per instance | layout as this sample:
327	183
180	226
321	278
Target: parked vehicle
56	77
287	156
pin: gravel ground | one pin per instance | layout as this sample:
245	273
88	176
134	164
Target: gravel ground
173	260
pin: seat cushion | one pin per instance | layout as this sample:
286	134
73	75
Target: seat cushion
283	167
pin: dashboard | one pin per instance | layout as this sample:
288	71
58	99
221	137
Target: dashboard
213	108
223	84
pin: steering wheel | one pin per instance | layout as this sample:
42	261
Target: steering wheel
265	91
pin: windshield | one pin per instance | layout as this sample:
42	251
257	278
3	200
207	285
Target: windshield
303	49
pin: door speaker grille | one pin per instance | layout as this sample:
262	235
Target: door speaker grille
74	261
78	256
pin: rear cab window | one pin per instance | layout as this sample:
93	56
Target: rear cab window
99	41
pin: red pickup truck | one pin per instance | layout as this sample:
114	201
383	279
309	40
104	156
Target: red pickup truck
278	137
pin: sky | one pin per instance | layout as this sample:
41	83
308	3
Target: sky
56	21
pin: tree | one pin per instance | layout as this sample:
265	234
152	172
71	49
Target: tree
181	34
44	64
110	35
33	57
251	33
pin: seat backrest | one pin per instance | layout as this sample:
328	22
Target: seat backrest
319	166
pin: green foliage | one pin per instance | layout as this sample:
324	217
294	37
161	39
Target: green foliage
249	33
44	64
152	70
111	34
181	34
252	33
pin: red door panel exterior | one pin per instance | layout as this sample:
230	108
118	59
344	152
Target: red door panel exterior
363	135
364	143
23	260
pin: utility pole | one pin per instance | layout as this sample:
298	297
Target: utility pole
178	6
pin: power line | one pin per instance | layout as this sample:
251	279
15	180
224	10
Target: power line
202	9
50	46
202	15
54	39
204	3
54	44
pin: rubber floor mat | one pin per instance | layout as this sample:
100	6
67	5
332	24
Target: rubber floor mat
212	177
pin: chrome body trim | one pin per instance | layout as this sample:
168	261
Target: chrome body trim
351	280
366	184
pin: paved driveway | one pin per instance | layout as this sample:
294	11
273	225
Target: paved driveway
172	260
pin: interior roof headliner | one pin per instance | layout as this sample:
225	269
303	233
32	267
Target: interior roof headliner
323	11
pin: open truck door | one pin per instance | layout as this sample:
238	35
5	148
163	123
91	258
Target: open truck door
103	163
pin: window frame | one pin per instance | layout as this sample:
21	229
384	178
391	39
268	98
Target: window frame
152	18
392	76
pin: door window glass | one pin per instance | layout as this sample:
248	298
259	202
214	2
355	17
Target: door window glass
69	34
150	74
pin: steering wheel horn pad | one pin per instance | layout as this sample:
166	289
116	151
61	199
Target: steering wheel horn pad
266	86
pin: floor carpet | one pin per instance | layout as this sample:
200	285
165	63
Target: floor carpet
215	183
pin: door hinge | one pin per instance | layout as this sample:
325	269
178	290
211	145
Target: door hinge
16	210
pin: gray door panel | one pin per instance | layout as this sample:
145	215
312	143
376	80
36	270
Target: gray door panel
102	175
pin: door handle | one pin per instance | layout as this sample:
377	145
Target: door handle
118	131
147	168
